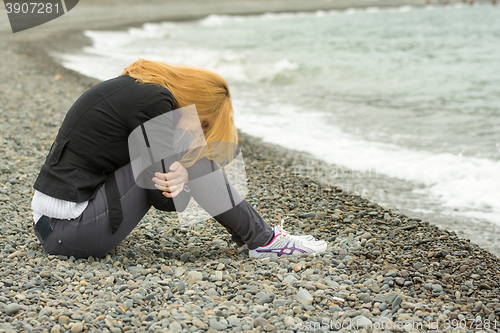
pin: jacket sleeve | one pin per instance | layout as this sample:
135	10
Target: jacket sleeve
151	148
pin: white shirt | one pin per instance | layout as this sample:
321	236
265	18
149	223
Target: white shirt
43	204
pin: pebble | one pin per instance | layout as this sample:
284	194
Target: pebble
198	323
362	322
184	257
181	286
175	326
396	302
308	215
304	297
437	287
216	325
195	275
260	322
46	274
77	327
266	298
289	280
12	309
179	271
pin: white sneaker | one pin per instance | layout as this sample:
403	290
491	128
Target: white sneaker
281	230
286	245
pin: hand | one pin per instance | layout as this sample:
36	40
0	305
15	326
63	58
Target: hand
172	183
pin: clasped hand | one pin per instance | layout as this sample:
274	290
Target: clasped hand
172	183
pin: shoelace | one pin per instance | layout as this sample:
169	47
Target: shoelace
282	229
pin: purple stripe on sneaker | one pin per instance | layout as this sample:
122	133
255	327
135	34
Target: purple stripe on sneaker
281	251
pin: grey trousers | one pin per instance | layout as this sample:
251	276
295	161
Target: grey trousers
90	233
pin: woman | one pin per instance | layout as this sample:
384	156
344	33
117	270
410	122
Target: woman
93	188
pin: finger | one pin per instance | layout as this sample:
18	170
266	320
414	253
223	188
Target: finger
174	188
172	194
174	177
161	175
174	166
162	188
171	178
169	186
160	182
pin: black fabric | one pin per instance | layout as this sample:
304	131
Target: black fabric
114	205
96	129
70	158
112	194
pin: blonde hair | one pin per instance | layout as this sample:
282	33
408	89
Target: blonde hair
208	92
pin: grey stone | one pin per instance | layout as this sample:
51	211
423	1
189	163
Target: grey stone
12	309
260	322
184	257
290	280
304	297
175	326
396	303
437	288
390	297
266	298
362	322
311	215
217	325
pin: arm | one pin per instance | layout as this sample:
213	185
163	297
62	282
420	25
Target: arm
151	150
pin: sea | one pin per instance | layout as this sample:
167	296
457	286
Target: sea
402	104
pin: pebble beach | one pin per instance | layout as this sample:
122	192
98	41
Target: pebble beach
382	272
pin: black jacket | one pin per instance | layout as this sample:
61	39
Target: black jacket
96	130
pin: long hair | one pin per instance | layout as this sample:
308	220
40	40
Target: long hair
208	92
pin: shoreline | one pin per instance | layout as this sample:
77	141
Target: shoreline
376	255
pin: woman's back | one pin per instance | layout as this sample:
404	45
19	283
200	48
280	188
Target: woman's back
96	129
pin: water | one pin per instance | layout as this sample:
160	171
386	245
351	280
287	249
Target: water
409	95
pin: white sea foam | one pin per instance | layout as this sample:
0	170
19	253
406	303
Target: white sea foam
465	185
111	52
215	20
372	9
219	20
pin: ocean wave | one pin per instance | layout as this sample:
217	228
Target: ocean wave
112	51
463	185
216	20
